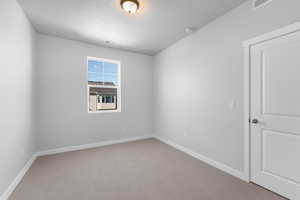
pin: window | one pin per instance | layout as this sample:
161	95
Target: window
104	91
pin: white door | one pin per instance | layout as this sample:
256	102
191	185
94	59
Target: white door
275	115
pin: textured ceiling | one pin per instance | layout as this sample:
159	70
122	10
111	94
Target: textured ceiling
157	25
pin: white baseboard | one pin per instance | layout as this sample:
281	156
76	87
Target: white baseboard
216	164
23	171
18	178
91	145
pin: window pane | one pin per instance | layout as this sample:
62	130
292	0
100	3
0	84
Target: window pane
110	67
95	71
107	95
111	73
111	79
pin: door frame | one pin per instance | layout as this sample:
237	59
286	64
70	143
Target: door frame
247	88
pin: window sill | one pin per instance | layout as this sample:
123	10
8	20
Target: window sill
104	111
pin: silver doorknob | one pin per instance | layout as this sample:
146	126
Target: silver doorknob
254	121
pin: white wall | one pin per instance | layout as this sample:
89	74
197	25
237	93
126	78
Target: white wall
62	117
17	140
197	79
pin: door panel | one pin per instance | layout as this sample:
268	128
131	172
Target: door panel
277	82
275	160
275	102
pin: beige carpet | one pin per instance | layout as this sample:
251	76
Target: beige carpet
142	170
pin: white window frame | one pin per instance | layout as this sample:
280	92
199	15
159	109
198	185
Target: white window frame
119	99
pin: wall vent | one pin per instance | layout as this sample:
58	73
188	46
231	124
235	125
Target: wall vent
260	3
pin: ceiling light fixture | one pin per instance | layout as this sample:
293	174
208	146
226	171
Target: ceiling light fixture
130	6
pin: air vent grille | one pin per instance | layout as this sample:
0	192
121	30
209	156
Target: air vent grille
259	3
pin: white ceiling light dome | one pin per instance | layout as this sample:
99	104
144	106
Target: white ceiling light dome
130	6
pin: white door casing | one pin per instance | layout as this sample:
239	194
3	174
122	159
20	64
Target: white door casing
275	103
